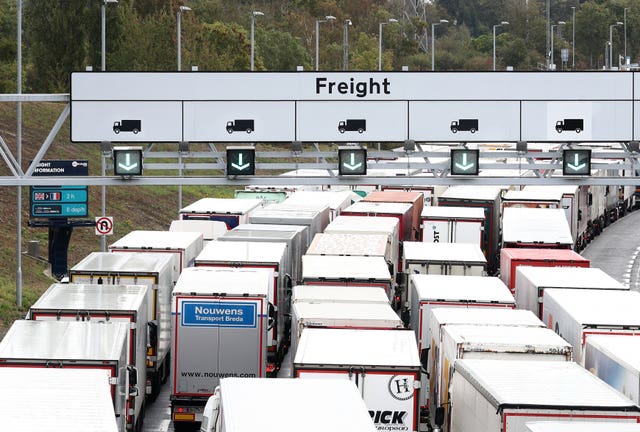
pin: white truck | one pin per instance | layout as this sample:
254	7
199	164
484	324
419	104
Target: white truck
231	211
577	314
273	256
357	244
531	283
461	259
210	230
286	405
157	271
56	400
315	218
112	303
581	426
535	227
104	347
388	379
341	315
533	198
615	360
503	395
338	294
452	225
187	245
221	319
336	200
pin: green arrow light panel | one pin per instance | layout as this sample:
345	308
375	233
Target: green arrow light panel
464	162
127	161
241	160
352	161
576	162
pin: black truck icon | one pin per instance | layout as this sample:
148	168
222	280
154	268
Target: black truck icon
352	125
470	125
245	125
134	126
570	125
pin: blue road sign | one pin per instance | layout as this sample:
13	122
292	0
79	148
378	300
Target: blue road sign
218	314
60	201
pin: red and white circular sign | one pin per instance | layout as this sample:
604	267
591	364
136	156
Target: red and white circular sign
104	225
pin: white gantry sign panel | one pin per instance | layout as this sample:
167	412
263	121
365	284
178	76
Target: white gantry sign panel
358	106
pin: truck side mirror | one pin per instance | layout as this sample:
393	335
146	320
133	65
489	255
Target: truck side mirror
424	360
153	333
133	375
439	416
271	313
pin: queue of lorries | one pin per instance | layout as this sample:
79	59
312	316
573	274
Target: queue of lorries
468	311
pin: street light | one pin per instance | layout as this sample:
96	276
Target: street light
503	23
433	40
345	45
103	20
552	64
391	20
179	14
254	14
611	42
327	18
625	34
573	38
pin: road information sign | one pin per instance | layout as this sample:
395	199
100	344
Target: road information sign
352	161
464	161
576	162
60	201
127	161
241	160
104	225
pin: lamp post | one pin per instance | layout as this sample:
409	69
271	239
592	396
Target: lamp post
391	20
573	38
254	14
433	40
345	45
625	34
179	15
611	42
327	18
552	64
503	23
103	15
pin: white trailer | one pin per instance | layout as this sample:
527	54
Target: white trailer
581	426
531	283
221	317
273	256
338	294
187	245
113	303
388	378
342	244
578	314
460	259
315	218
403	212
336	200
231	211
452	225
56	400
210	230
503	395
616	361
159	272
286	405
30	345
533	198
535	227
341	315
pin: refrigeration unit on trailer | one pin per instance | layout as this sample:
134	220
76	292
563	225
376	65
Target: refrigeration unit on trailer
315	219
581	426
428	292
369	225
577	314
231	211
336	200
158	271
187	245
111	303
210	230
384	365
341	315
272	256
616	361
486	198
286	405
401	211
295	236
461	259
416	199
338	294
535	227
221	317
452	225
511	258
531	283
56	400
503	395
101	346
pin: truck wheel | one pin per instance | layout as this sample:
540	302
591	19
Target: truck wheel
135	131
341	130
559	130
229	130
454	130
249	130
578	130
360	130
116	130
473	130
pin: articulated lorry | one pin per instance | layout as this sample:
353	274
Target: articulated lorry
314	217
210	230
416	199
452	225
231	211
535	228
338	294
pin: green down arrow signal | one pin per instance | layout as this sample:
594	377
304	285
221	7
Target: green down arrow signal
352	165
240	166
127	165
576	166
464	166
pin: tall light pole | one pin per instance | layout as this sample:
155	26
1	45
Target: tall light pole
548	13
179	15
103	20
611	42
552	64
503	23
573	38
433	42
391	20
327	18
345	45
254	14
625	34
19	160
